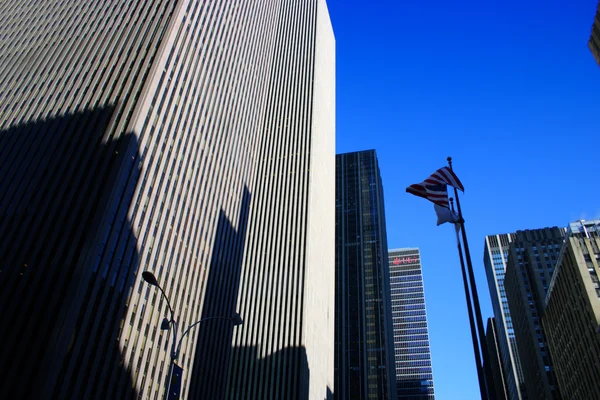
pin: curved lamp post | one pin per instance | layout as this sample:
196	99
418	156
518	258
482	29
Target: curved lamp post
236	320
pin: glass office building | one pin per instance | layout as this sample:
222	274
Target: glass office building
364	354
414	376
495	257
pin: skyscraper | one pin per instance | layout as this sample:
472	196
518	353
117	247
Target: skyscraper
571	318
594	42
495	257
192	139
414	375
531	263
495	359
364	352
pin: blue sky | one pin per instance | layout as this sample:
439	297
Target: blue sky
510	90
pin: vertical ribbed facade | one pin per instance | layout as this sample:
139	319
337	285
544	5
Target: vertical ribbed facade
177	137
571	318
495	257
531	263
414	375
284	349
364	347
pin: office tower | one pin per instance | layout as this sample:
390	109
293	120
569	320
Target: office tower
495	257
531	263
594	42
414	376
495	360
572	315
364	347
192	139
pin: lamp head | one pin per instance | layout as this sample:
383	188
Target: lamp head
150	278
165	325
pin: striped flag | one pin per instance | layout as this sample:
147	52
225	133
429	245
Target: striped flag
444	175
434	188
438	193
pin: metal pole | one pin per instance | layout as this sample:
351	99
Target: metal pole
173	357
480	374
482	341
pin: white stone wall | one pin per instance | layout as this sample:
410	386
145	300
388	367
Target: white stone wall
320	286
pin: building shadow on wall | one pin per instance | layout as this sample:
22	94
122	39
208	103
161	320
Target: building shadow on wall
213	350
281	375
59	181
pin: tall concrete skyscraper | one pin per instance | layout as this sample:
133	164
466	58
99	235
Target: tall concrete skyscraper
519	267
364	347
531	264
571	318
193	139
414	376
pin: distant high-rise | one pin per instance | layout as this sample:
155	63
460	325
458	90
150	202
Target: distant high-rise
495	257
414	376
495	360
531	262
571	318
594	42
364	348
194	139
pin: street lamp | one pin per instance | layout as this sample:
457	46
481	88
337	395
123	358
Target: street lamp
236	320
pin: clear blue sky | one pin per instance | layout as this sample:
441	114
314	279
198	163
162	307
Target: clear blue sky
510	90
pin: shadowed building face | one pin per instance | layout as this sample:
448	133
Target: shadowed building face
56	183
133	135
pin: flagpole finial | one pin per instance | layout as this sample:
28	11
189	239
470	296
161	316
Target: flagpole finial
449	161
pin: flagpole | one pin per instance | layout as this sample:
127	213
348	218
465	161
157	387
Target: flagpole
480	373
482	341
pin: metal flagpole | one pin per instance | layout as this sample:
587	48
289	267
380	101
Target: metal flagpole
480	374
482	341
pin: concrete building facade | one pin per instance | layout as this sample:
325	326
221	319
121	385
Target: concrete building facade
364	347
572	315
192	139
531	262
414	374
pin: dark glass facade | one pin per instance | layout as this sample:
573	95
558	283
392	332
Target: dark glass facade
495	257
364	362
414	376
495	360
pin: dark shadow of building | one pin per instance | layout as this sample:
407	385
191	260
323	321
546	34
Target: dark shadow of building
262	378
60	180
209	374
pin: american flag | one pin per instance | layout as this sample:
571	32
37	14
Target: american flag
434	188
444	175
436	193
